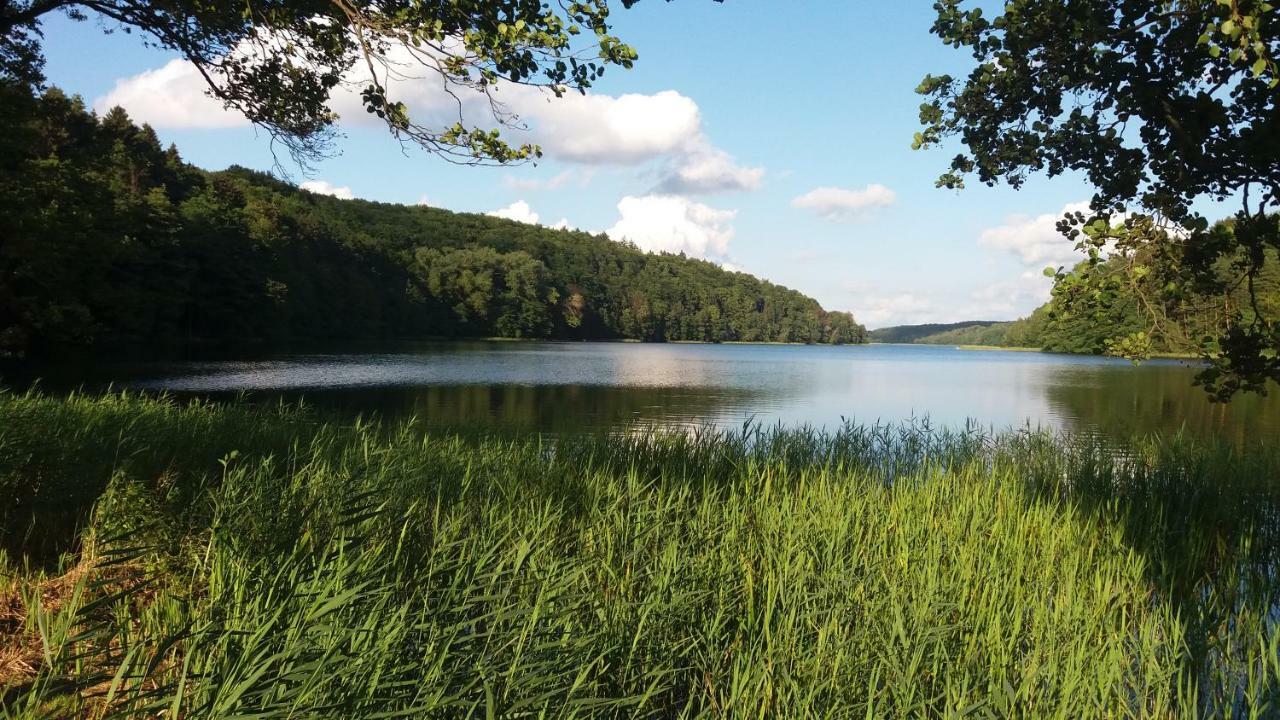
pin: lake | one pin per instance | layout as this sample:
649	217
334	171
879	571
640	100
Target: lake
559	387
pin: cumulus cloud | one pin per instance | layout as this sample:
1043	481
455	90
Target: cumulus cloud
836	203
563	224
669	223
1035	240
628	129
1004	300
171	96
324	187
591	130
518	211
879	307
707	169
899	308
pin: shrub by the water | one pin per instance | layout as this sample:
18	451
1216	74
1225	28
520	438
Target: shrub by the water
200	560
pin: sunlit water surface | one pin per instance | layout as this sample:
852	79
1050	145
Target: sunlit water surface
557	387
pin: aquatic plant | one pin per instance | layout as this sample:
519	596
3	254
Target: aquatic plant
229	560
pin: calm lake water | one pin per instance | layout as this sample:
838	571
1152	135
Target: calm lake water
556	387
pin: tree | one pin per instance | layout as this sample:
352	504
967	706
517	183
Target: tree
279	61
111	239
1161	105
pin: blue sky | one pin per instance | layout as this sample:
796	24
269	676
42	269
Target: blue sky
756	108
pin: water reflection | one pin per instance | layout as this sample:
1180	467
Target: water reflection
547	408
1119	403
562	387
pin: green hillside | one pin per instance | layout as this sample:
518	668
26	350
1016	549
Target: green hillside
114	239
918	333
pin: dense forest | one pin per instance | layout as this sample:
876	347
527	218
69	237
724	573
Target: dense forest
112	239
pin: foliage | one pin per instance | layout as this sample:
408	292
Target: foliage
268	562
1131	303
1161	105
1023	333
914	333
279	63
1137	301
112	239
992	334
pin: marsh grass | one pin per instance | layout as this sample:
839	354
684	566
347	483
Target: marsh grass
235	561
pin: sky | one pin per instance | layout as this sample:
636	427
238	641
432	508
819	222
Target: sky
771	138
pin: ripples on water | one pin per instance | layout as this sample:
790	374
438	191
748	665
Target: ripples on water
565	386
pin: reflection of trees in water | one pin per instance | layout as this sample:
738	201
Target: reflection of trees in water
1123	401
555	408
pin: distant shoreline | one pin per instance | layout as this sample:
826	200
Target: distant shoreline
1014	348
1005	348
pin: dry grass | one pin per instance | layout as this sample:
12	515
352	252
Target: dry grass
24	648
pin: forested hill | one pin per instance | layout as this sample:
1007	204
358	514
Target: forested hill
111	238
918	333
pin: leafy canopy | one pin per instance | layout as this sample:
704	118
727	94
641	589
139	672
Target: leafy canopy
112	240
1162	106
279	62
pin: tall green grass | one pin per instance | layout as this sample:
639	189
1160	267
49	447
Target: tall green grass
247	562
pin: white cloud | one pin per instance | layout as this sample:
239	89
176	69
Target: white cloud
1035	240
899	308
518	211
563	224
323	187
708	169
837	203
592	129
877	306
171	96
426	201
669	223
601	129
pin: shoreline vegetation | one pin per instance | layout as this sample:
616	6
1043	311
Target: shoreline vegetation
208	560
1118	322
999	347
1010	348
1153	356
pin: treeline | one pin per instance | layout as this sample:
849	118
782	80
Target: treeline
1123	306
111	238
922	333
1027	332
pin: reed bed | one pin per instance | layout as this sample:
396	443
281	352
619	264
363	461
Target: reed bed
194	560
